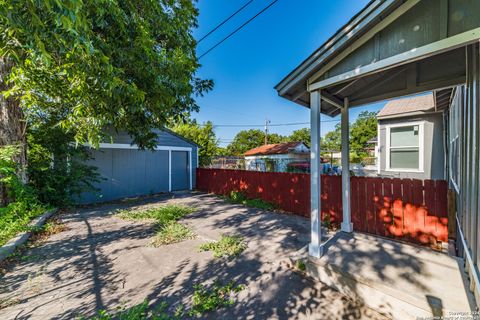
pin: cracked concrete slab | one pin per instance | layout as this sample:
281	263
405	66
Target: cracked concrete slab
102	262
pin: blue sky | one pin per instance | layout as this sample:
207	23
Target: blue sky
246	67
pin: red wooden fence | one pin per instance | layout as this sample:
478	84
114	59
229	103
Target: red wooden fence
406	209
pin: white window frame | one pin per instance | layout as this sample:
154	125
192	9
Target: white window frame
421	145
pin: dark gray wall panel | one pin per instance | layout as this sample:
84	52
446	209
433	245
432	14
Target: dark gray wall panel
102	159
128	173
180	170
132	172
156	171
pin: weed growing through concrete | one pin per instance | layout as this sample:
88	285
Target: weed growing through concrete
161	215
165	217
140	312
172	232
209	299
227	246
239	197
300	265
205	299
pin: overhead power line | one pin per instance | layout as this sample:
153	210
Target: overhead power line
270	124
225	21
238	29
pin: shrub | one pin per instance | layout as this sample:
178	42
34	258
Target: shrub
22	204
58	169
227	246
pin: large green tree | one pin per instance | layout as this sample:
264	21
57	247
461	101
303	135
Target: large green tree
95	63
249	139
332	140
300	135
203	135
362	130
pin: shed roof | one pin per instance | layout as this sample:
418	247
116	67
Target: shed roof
405	106
278	148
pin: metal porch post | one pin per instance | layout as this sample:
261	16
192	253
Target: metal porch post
315	249
347	225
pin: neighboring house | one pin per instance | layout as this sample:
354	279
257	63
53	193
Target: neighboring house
128	171
411	139
276	157
227	162
371	148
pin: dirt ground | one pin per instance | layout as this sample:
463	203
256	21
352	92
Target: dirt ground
102	262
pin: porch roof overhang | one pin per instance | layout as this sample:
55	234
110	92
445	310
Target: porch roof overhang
380	54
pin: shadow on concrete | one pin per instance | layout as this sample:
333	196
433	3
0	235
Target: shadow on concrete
81	273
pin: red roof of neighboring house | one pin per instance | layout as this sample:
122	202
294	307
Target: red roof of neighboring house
279	148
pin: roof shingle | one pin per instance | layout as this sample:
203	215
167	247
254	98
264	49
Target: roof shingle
407	105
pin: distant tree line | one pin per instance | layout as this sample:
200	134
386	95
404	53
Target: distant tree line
363	129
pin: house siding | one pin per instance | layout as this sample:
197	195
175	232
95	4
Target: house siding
128	172
421	25
468	193
434	150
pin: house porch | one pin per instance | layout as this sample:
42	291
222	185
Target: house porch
399	280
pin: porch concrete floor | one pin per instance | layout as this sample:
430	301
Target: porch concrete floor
400	280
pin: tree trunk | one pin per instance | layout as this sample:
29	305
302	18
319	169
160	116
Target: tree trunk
12	124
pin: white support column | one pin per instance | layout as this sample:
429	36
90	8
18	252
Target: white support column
315	249
190	166
169	170
347	225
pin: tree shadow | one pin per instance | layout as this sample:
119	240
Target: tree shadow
81	268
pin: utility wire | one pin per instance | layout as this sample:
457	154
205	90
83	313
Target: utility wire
238	29
225	21
270	124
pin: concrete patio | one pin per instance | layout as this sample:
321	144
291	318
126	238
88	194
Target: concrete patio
102	262
399	280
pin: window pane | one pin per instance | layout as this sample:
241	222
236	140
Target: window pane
404	159
404	136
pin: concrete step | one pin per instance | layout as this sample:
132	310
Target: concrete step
398	280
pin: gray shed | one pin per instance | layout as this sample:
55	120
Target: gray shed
127	171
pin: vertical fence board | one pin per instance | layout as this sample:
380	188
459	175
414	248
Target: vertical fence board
362	199
354	208
420	212
378	205
397	225
430	217
387	210
441	190
370	205
408	209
